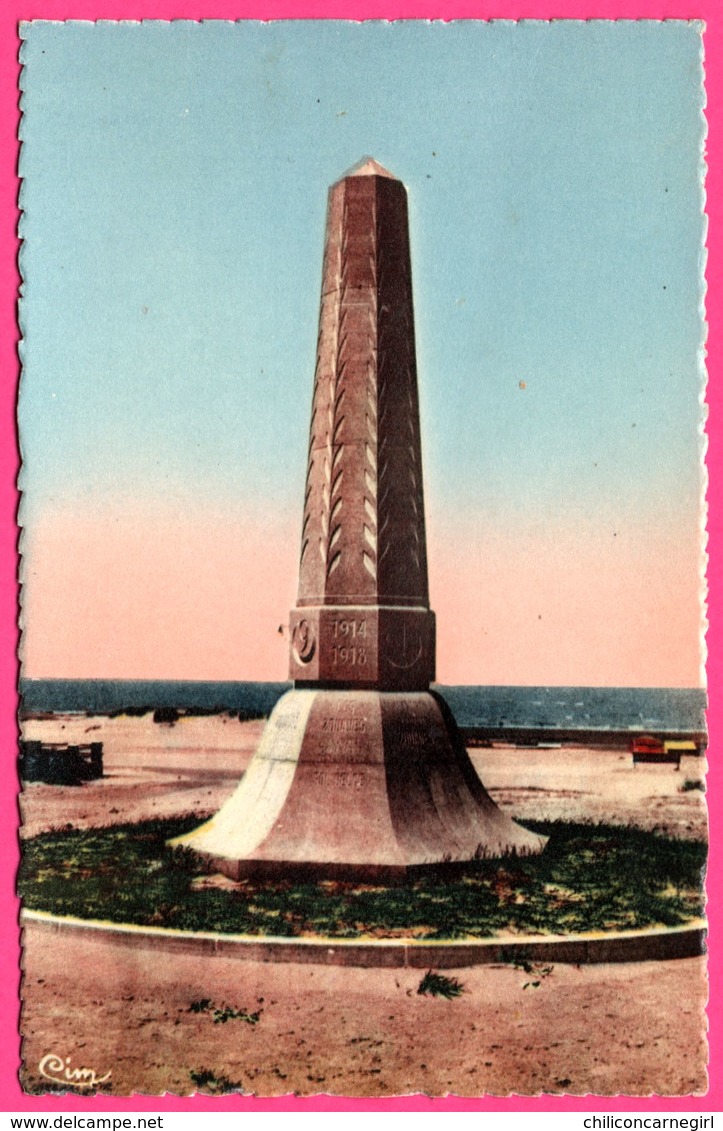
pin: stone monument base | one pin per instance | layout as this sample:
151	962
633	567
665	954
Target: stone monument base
357	785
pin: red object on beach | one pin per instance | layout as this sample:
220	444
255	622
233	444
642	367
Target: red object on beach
646	748
646	744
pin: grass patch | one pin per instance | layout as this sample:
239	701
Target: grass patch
590	877
224	1013
689	785
437	985
206	1080
521	961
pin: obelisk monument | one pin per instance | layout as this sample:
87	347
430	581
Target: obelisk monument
361	771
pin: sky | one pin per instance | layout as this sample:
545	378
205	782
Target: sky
174	195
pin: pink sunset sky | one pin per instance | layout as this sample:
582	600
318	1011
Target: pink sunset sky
142	592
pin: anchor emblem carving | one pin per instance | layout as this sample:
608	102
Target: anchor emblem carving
404	648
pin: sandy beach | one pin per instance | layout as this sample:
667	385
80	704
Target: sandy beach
630	1028
193	765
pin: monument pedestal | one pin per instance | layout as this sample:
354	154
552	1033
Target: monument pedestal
357	784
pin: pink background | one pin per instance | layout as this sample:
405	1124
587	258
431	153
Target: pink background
709	10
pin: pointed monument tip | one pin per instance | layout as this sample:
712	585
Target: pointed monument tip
368	167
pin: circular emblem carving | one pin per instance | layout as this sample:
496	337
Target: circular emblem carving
304	642
404	648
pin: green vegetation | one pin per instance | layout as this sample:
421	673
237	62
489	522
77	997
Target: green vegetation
689	785
225	1013
521	961
205	1080
437	985
590	877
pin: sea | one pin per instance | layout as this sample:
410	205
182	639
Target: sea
657	709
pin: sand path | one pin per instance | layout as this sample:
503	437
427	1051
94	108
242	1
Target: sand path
158	770
630	1028
634	1028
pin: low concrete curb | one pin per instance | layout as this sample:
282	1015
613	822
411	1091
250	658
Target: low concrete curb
624	946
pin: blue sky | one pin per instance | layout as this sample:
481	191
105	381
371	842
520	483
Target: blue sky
174	202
